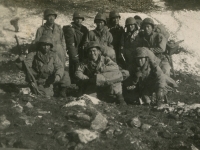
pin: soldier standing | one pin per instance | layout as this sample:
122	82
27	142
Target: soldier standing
156	42
116	30
75	37
53	30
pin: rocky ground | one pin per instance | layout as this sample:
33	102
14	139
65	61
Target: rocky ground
86	123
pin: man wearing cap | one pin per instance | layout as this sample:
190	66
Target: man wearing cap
75	37
101	33
116	30
146	78
47	68
53	30
155	42
129	39
138	20
99	74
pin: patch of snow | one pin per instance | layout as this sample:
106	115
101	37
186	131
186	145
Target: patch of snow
93	99
76	103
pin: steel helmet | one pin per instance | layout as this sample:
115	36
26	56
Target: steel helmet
47	40
130	21
92	44
141	52
114	14
100	16
148	21
48	12
78	15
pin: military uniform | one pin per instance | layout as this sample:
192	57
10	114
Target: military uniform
75	38
57	36
146	79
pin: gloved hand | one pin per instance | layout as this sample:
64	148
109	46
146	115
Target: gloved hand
160	94
85	77
57	78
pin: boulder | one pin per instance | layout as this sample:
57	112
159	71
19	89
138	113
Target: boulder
4	123
99	123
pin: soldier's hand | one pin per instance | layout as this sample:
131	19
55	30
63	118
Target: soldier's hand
57	78
160	94
85	77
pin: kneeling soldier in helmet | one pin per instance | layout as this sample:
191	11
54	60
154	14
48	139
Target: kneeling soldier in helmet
46	67
100	75
146	78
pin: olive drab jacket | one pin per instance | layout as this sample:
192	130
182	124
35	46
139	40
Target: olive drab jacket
75	38
104	37
106	71
57	36
156	43
44	66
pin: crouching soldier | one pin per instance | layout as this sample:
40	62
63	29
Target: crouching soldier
100	75
146	78
45	68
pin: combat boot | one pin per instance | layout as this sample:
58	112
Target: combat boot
63	92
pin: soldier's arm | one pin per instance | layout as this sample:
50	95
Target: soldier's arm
58	66
110	39
161	44
80	72
160	77
109	65
38	34
62	39
70	42
29	59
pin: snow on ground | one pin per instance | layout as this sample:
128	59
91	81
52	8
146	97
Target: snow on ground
182	25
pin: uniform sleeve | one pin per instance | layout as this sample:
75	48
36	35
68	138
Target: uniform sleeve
110	74
59	68
63	39
38	34
160	77
110	39
29	59
70	41
161	42
80	72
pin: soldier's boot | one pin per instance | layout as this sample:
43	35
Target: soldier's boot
63	92
120	99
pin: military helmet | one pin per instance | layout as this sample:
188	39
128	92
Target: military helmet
100	16
93	44
148	21
141	52
114	14
130	21
136	17
48	12
78	15
47	40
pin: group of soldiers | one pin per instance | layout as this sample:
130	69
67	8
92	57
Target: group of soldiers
118	64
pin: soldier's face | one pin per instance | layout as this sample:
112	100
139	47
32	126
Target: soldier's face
148	29
51	19
131	27
45	48
115	20
94	54
100	24
78	21
140	61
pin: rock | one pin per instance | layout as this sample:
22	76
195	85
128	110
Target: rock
61	138
135	122
193	147
145	127
76	103
93	99
18	108
29	105
28	120
118	132
25	90
2	92
86	136
109	133
25	143
165	134
99	123
4	123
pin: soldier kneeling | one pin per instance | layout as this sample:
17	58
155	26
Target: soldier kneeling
146	78
43	68
100	75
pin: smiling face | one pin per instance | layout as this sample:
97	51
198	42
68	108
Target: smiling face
94	53
100	24
50	19
148	29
